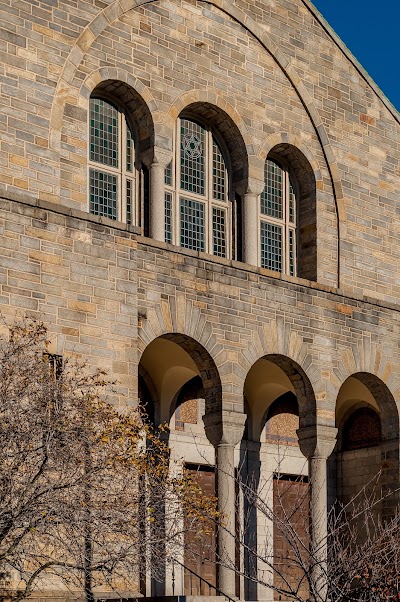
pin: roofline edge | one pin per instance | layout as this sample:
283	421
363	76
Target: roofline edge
363	72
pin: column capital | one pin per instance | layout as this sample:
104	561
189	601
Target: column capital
255	186
157	156
224	428
317	441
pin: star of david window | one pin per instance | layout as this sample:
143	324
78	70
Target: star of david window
197	207
112	177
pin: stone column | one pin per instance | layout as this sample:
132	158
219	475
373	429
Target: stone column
157	165
317	443
225	430
251	212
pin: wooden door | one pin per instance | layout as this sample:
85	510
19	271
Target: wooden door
291	534
200	576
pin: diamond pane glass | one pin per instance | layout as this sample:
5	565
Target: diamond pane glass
129	201
292	204
103	133
192	226
103	194
292	252
219	231
271	198
192	157
168	217
130	156
219	174
271	246
168	175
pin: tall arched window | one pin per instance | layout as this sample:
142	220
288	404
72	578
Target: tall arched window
278	220
197	207
112	181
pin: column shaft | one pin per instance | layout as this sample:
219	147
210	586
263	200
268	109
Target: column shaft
251	203
226	506
319	501
157	202
319	522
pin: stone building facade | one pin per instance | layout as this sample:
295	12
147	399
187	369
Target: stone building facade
202	197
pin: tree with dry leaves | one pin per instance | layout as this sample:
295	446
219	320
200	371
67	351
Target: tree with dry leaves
359	561
82	484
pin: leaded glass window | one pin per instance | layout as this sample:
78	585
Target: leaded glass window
112	178
197	206
278	246
192	226
193	170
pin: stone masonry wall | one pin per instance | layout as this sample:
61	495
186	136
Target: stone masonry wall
78	277
273	65
105	293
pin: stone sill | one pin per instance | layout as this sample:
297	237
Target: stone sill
343	293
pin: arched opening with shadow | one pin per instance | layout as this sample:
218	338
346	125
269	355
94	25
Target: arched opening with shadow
121	131
183	383
137	111
210	163
289	212
279	399
367	451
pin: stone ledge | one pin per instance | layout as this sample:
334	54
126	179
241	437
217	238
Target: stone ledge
69	212
342	293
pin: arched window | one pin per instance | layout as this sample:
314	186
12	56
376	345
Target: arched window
112	181
278	220
362	429
197	207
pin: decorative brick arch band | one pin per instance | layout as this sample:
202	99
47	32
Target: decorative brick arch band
118	7
183	322
286	347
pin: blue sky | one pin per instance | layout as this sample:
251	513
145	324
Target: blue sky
371	30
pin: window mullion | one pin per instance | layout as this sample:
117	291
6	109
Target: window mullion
123	155
209	176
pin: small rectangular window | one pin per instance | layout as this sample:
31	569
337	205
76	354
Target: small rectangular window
103	194
292	252
130	157
219	174
55	363
271	246
219	231
271	198
103	133
129	201
192	224
292	204
168	217
168	174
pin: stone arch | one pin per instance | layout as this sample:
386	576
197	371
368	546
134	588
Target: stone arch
131	94
277	337
367	356
204	363
304	176
215	111
264	385
384	459
183	315
386	403
116	9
